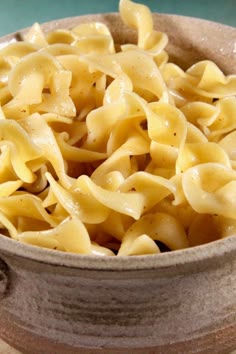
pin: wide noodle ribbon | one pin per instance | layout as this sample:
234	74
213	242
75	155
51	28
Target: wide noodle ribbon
109	148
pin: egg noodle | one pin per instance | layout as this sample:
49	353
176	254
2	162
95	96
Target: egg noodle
109	149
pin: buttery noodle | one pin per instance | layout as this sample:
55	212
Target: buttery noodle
110	151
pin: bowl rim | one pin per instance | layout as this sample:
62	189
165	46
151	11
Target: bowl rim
220	249
192	255
70	21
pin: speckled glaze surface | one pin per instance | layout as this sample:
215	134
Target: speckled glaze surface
181	302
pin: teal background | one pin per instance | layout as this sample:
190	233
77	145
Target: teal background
17	14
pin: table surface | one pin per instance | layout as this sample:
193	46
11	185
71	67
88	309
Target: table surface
17	14
6	349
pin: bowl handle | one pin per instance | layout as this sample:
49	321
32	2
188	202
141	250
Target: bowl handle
4	278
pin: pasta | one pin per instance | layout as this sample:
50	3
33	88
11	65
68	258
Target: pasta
114	150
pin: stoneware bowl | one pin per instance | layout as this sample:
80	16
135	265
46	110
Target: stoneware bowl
179	302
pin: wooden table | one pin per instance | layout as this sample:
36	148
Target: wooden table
6	349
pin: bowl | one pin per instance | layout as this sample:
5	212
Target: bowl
178	302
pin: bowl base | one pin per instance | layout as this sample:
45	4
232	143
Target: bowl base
28	342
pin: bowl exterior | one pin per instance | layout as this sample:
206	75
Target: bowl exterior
184	309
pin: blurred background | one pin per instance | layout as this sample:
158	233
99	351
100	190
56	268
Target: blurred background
17	14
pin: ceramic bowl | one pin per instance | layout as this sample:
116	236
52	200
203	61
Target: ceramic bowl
179	302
